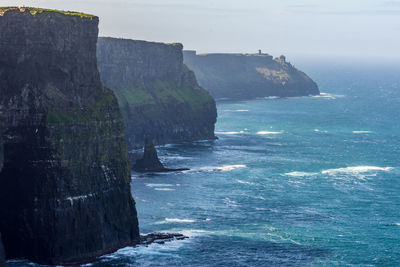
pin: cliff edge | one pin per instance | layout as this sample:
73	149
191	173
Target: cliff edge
64	189
245	76
158	95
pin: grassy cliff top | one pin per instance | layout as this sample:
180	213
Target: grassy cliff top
236	54
34	11
139	41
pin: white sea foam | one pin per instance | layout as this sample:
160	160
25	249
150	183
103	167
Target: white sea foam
159	185
216	168
300	174
271	97
398	224
230	167
328	96
361	132
230	202
268	132
176	157
164	189
245	182
242	110
355	170
176	220
320	131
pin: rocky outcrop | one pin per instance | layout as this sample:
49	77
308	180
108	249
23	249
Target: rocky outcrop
64	188
245	76
150	162
159	96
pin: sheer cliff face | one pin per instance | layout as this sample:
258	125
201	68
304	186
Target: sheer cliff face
159	96
244	76
64	188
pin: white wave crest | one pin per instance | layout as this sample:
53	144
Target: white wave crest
328	96
361	132
245	182
159	185
242	110
216	168
300	174
320	131
269	132
230	167
176	220
356	170
164	189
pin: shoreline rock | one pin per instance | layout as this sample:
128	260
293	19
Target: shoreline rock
160	238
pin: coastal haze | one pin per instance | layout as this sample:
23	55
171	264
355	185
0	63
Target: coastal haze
366	30
286	156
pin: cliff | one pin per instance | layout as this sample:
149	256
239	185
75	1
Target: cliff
64	188
244	76
2	253
159	96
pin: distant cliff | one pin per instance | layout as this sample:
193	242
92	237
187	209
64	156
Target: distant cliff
244	76
159	96
64	188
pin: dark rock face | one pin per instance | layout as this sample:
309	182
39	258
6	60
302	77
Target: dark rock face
159	96
64	188
2	254
160	238
245	76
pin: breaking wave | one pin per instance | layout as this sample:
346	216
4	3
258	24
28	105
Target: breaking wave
328	96
269	132
361	132
356	170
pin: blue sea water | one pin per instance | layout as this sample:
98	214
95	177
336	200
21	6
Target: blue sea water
309	181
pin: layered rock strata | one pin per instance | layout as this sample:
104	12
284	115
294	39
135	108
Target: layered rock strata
245	76
64	188
158	95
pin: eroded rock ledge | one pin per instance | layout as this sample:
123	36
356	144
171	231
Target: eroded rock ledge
64	188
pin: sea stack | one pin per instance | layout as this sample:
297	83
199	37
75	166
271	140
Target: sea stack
150	162
65	185
158	95
246	76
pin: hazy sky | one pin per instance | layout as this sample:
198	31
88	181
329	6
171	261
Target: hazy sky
297	28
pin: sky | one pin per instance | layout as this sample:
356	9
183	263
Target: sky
351	29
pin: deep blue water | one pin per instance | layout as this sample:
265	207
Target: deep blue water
299	182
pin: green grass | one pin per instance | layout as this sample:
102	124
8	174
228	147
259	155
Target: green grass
161	93
34	11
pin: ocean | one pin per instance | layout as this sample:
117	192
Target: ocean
307	181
